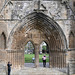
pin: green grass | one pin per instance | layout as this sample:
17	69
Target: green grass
28	58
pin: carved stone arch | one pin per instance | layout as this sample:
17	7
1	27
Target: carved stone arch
46	25
29	22
71	34
71	40
31	42
3	41
58	43
47	43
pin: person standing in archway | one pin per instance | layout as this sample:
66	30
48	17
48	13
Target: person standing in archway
9	68
33	59
44	60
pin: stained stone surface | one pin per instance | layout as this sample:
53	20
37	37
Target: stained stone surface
13	12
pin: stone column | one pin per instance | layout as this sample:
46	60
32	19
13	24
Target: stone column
71	62
36	55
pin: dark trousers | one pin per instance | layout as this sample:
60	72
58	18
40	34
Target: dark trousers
8	72
44	63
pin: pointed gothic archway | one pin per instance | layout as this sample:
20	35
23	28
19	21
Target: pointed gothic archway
2	41
50	29
71	40
44	46
44	50
29	53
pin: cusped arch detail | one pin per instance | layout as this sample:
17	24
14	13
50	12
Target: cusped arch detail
47	44
44	41
31	42
38	21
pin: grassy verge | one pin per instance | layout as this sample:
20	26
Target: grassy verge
28	57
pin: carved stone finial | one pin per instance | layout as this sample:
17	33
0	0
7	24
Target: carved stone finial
39	5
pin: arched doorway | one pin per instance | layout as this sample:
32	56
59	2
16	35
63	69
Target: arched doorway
44	50
29	54
51	32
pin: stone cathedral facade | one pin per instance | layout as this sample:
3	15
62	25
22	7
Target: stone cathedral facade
51	21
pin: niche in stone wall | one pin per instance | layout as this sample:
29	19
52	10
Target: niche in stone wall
71	40
74	3
2	41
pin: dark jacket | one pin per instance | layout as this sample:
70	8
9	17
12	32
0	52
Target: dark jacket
9	66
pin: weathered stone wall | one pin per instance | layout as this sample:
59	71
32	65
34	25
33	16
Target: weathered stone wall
3	56
16	57
15	10
3	30
19	9
55	10
71	61
3	27
35	36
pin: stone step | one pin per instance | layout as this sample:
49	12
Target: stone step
38	71
33	71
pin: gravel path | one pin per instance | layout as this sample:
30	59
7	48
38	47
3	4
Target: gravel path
32	65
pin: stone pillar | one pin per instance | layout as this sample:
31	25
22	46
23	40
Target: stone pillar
36	55
71	62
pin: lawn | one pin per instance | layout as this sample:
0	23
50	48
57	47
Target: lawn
28	58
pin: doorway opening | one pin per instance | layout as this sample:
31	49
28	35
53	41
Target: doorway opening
44	51
29	54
